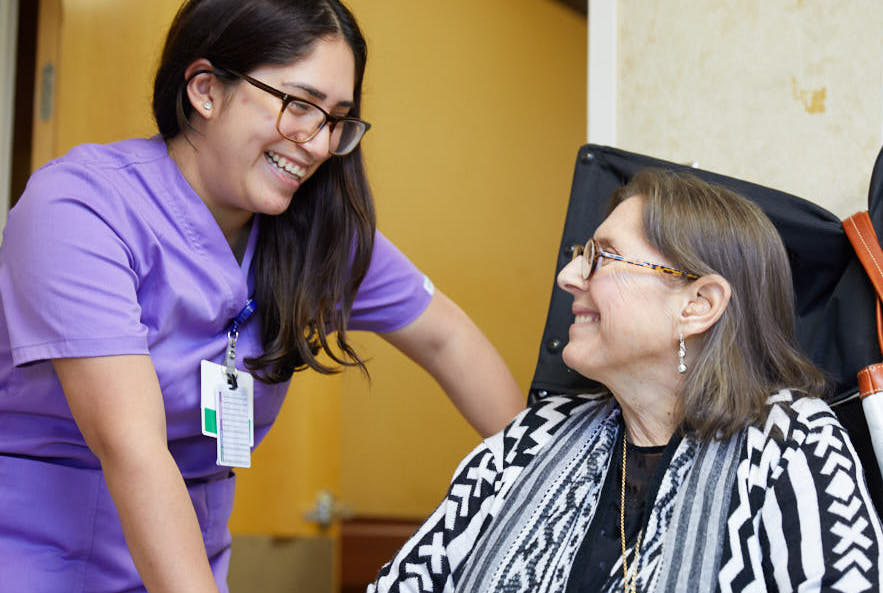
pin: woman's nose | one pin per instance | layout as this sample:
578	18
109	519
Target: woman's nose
319	145
570	278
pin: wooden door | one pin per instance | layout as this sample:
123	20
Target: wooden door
286	521
94	68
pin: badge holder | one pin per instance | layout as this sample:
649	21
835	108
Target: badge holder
227	402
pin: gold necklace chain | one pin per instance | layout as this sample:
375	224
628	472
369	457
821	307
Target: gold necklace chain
629	587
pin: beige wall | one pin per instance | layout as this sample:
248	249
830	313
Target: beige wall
787	93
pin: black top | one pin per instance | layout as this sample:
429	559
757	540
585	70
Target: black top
601	548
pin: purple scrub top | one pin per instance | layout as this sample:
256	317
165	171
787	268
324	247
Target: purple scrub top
109	251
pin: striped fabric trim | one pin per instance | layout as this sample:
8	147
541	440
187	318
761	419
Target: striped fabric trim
694	543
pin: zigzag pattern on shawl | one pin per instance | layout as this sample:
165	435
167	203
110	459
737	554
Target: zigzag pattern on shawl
521	548
526	436
545	556
798	433
584	520
534	543
856	564
433	559
760	461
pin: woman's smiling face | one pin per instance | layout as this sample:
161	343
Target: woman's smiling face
246	166
624	315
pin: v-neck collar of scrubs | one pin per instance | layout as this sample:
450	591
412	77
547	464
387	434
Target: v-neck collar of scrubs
207	239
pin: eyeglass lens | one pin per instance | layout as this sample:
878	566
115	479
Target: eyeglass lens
301	121
588	261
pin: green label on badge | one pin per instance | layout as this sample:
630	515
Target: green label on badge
211	421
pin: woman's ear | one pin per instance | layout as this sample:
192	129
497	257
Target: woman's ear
203	88
707	299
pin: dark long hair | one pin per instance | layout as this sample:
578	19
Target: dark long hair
310	259
752	350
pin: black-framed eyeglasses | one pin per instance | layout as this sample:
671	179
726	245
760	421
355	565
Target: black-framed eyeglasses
300	120
591	252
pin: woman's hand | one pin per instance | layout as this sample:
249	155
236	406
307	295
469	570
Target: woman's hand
445	342
117	404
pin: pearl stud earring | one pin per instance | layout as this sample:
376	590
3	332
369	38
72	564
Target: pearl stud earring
207	105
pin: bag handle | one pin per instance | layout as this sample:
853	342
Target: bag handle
860	232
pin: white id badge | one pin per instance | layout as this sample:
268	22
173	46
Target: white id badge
234	427
214	380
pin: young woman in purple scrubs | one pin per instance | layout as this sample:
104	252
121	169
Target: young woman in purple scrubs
125	266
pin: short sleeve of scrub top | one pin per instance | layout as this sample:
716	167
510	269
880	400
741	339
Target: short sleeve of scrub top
394	292
70	288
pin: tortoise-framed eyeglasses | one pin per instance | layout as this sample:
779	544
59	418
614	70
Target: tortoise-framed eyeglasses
300	120
591	252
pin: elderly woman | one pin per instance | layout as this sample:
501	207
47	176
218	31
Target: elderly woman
708	464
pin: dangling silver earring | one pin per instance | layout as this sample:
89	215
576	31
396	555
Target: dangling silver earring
207	105
682	354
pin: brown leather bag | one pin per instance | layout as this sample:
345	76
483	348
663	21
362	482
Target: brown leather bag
861	234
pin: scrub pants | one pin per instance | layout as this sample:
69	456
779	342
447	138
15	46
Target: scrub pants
59	530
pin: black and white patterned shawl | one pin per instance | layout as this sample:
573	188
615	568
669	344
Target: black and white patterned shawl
783	508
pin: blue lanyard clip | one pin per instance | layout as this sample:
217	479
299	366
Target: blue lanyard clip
232	336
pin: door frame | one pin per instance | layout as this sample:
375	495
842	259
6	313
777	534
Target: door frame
8	46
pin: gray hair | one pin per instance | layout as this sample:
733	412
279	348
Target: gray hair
752	350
